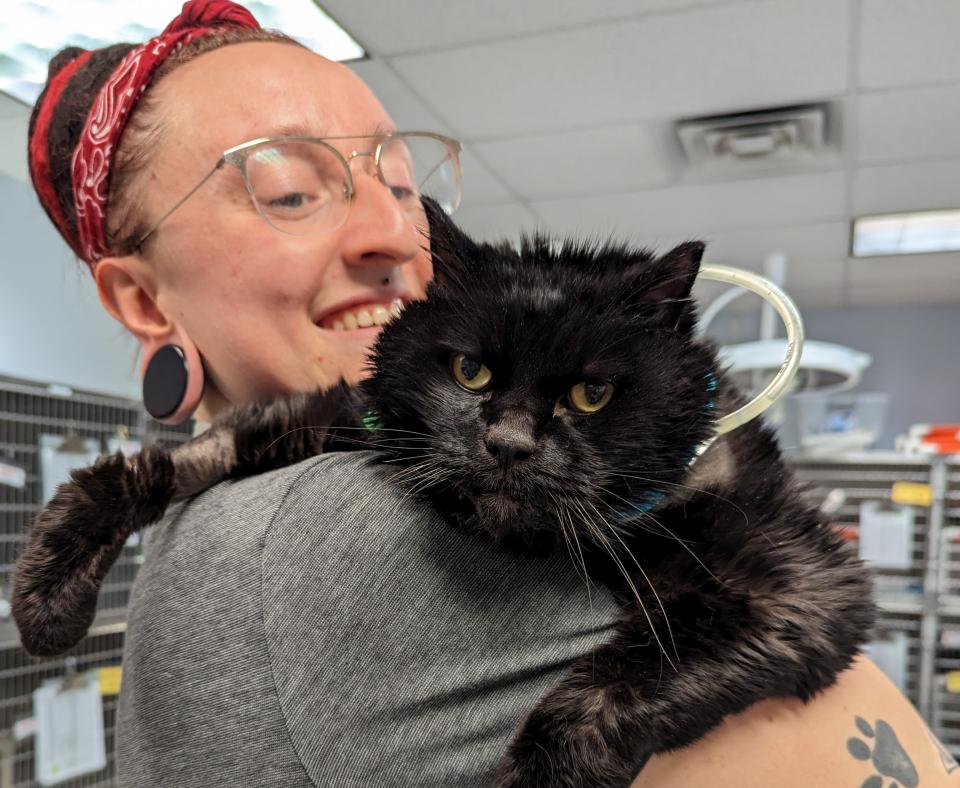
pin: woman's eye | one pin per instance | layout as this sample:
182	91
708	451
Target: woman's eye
470	373
292	200
403	193
590	396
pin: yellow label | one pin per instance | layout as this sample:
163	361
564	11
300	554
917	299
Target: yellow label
911	494
110	679
953	681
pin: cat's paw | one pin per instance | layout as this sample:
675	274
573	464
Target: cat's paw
886	755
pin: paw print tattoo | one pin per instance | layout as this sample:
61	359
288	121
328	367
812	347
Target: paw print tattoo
887	756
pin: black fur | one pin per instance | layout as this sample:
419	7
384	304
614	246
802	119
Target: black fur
732	588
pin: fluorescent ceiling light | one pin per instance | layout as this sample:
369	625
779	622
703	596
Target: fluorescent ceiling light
906	233
33	31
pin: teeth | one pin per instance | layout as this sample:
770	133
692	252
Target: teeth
364	317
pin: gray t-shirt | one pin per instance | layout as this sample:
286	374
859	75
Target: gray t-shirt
314	627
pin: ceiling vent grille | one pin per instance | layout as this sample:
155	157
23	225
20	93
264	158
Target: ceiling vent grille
784	135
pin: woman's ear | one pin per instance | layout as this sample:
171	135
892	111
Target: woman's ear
171	366
128	291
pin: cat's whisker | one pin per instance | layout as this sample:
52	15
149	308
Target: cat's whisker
683	543
666	618
560	512
746	517
605	543
420	476
265	449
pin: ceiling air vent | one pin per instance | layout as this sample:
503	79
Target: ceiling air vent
785	134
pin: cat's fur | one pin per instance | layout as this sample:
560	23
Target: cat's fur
732	587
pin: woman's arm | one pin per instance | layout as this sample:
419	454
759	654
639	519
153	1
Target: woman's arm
862	727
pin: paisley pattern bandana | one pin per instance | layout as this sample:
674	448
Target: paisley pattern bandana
107	118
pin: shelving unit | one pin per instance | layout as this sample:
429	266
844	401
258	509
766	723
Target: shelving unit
920	603
28	410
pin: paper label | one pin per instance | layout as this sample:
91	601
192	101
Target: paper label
69	737
25	728
12	476
953	681
911	494
55	465
110	680
127	447
886	537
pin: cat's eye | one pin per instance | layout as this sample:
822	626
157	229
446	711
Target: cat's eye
590	395
470	373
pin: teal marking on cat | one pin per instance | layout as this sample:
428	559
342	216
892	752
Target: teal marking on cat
652	499
372	421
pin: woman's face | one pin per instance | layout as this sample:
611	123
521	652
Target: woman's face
257	302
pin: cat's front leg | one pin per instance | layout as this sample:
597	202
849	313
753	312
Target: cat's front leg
639	695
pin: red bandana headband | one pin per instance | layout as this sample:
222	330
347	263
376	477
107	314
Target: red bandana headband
107	118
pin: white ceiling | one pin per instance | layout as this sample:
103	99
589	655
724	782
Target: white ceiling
567	112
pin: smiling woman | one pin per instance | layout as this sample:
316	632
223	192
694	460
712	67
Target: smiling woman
311	626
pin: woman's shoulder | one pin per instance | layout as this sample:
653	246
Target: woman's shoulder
862	731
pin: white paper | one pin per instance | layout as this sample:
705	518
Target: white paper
128	447
890	655
55	465
12	476
69	734
886	537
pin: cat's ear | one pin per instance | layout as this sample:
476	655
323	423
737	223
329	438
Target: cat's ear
450	248
666	283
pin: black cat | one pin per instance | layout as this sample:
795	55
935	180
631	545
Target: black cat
552	398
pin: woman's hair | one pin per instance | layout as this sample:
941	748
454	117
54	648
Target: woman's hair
125	223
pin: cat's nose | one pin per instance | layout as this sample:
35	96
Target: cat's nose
509	447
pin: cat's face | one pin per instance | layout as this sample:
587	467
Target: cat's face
544	388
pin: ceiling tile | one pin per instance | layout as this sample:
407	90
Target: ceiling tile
921	123
915	271
403	105
719	59
908	279
803	245
612	158
480	184
929	293
497	222
698	211
908	43
907	187
421	25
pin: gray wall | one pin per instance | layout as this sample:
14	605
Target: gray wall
915	349
52	327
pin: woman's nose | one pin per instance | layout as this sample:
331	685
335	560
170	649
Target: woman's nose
378	233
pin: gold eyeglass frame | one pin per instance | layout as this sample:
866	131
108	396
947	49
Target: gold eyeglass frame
238	154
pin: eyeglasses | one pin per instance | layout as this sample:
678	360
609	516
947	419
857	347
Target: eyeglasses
303	185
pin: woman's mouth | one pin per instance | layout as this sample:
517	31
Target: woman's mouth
363	315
